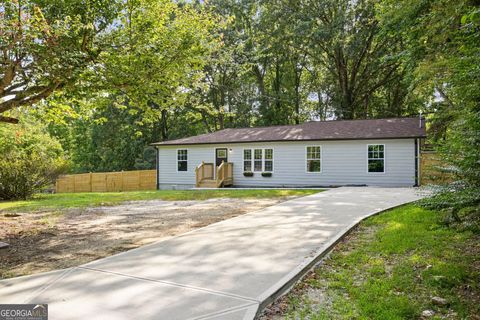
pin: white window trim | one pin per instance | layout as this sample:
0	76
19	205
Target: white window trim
306	159
176	159
384	158
252	149
273	159
243	159
254	160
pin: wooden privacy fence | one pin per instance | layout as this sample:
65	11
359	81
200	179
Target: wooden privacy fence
107	181
432	169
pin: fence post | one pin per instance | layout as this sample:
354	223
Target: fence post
139	186
91	189
105	183
122	177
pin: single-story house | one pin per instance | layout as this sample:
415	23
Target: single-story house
376	152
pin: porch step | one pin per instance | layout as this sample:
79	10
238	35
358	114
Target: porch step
208	183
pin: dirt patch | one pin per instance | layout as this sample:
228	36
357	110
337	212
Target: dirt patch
52	240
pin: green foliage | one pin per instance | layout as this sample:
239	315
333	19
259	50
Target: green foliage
158	53
295	60
153	61
30	160
444	39
390	268
147	160
462	152
46	45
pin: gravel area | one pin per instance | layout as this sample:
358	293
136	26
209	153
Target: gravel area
47	241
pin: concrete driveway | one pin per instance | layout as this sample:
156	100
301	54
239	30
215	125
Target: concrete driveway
227	270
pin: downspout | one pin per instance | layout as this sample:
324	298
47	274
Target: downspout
417	160
417	154
157	166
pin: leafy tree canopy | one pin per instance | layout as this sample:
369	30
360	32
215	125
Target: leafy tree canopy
45	45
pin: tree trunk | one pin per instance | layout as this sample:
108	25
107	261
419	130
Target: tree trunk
259	76
221	110
278	93
298	75
347	109
164	125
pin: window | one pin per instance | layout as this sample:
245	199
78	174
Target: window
268	167
222	153
257	163
247	160
314	159
376	158
262	160
182	160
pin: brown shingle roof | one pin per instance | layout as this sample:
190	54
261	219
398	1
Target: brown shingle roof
394	128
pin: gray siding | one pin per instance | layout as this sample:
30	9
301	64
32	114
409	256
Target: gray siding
343	163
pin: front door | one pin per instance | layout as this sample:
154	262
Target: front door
221	154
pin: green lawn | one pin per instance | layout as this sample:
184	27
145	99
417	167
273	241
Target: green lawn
81	200
390	268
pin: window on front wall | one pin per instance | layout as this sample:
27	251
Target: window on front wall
376	158
257	159
314	159
182	160
268	164
262	160
247	160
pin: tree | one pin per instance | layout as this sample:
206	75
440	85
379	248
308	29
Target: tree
348	47
157	56
46	44
140	89
444	38
299	60
257	79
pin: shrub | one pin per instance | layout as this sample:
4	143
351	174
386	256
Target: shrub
30	160
462	152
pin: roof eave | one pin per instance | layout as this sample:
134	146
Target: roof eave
159	144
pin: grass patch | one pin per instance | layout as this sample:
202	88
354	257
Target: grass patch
92	199
390	267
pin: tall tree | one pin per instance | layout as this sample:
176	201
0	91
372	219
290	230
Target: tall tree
45	45
157	56
343	38
141	88
443	38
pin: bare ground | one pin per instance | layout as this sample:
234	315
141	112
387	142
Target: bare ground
45	241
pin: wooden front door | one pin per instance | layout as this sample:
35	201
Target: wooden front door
221	154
